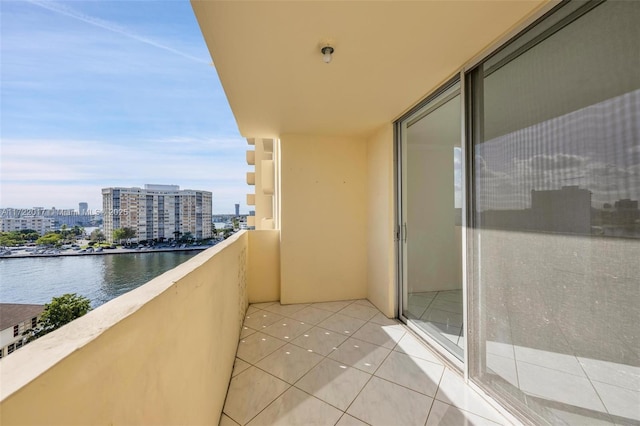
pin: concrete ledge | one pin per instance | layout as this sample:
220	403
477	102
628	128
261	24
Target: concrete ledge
160	354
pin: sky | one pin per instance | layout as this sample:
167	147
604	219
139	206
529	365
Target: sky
95	94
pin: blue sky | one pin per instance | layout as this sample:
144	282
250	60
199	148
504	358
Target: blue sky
111	93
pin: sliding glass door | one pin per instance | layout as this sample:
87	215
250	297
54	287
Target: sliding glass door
431	202
555	293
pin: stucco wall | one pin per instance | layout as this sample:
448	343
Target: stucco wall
381	290
263	279
160	354
324	218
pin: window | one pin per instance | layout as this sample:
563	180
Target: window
18	344
15	330
555	186
34	322
1	352
10	348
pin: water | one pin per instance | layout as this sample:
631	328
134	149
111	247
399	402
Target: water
99	278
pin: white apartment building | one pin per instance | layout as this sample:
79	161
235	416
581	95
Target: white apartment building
15	319
157	211
40	224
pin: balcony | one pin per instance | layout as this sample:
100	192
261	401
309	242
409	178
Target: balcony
175	351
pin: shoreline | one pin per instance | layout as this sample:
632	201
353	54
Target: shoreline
106	252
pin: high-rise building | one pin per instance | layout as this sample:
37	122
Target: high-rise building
83	208
237	209
157	212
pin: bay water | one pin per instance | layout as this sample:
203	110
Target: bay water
100	278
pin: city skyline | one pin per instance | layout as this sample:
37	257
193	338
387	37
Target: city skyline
95	96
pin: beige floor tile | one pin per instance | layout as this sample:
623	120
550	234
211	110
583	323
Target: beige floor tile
620	402
442	414
311	315
433	314
257	346
410	345
295	407
558	386
382	319
261	319
347	420
359	311
365	302
334	383
623	375
333	306
262	305
285	310
319	340
250	392
415	373
246	331
382	335
239	366
384	403
342	324
226	421
503	367
289	363
251	309
286	329
454	391
360	354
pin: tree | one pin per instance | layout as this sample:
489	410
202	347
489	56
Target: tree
97	235
129	233
118	235
60	311
124	234
49	239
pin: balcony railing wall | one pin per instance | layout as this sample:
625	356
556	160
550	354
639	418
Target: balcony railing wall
160	354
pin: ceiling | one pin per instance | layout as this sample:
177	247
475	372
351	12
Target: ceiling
388	56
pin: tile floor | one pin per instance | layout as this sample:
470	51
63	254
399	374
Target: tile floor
440	309
342	363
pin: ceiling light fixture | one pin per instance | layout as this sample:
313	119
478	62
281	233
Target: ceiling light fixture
327	51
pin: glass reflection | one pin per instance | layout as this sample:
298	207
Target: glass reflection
556	289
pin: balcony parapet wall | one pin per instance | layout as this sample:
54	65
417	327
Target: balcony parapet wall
160	354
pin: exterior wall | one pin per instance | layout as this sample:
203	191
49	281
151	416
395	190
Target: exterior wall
323	218
264	162
160	354
263	280
7	338
380	229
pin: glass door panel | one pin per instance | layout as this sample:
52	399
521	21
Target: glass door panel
431	219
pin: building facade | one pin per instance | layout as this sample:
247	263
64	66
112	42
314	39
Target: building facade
15	319
157	212
40	224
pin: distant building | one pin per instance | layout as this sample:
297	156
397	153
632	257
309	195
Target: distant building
40	224
157	212
15	319
237	209
83	209
566	210
626	212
